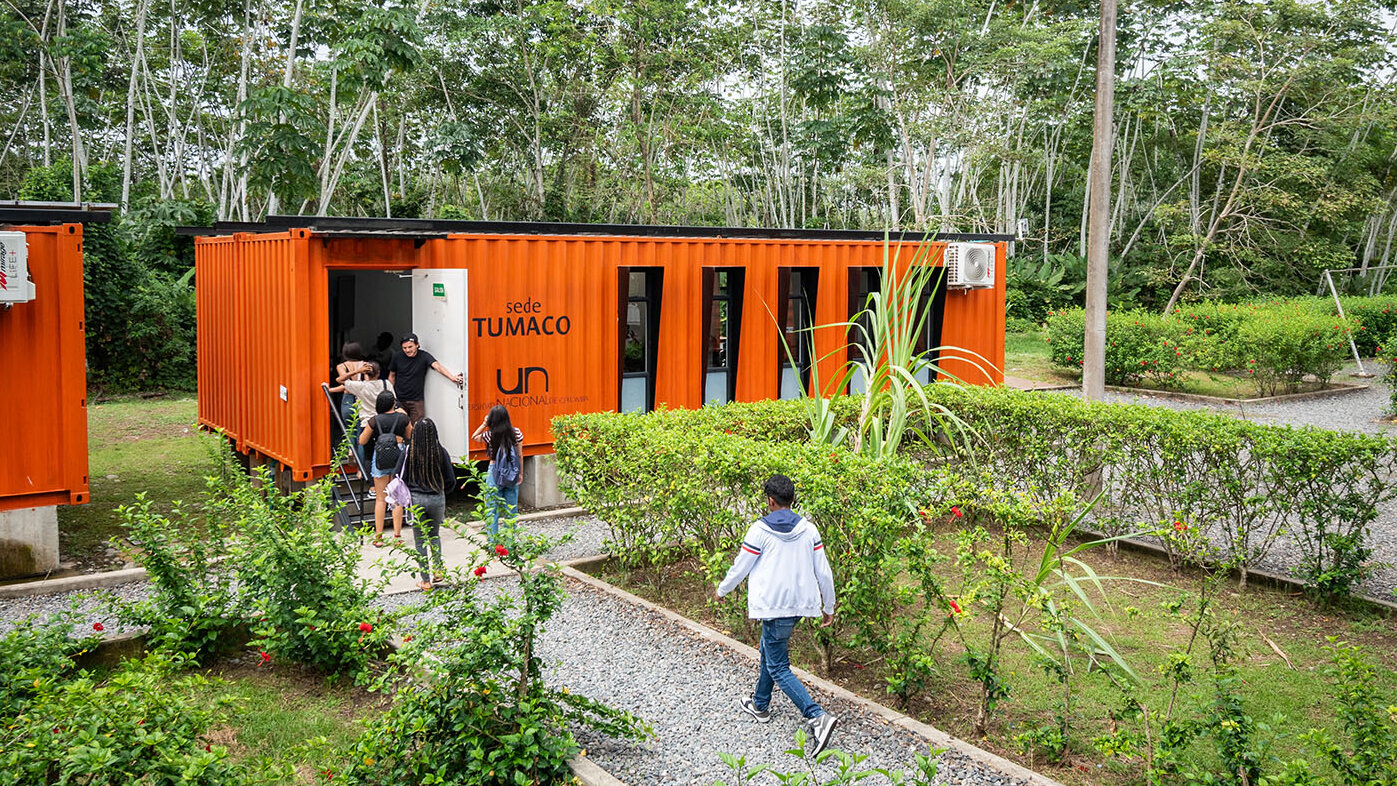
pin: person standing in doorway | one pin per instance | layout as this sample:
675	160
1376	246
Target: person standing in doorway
428	474
790	579
503	443
408	375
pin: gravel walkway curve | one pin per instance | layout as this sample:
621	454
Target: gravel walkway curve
687	689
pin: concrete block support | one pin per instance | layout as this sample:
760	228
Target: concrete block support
540	486
28	541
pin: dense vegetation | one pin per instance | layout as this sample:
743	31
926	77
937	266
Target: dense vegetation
1253	142
961	570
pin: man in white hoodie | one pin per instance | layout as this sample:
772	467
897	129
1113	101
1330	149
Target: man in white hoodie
790	579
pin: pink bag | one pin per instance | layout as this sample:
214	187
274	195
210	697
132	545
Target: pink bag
397	493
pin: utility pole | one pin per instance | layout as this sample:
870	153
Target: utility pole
1099	210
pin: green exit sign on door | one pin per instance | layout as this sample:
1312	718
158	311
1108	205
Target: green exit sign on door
438	290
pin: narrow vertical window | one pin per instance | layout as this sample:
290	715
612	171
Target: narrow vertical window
722	324
933	306
640	333
862	282
796	346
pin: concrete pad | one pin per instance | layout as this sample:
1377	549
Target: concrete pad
28	541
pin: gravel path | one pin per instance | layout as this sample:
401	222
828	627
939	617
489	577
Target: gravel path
687	689
1360	411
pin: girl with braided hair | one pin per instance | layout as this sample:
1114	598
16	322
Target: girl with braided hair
429	474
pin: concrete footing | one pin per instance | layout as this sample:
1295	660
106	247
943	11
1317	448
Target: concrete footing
28	541
539	488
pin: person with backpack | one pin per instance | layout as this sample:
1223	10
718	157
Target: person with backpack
386	431
503	444
790	579
428	473
366	392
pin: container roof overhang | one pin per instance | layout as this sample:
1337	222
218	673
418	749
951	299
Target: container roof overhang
16	212
421	229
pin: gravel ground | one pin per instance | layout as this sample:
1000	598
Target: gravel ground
587	535
1360	411
687	689
91	607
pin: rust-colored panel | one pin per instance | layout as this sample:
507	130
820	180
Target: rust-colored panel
544	325
973	331
43	459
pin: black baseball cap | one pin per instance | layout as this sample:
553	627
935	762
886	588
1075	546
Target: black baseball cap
410	337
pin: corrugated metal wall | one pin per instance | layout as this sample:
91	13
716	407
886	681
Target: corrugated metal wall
264	323
43	455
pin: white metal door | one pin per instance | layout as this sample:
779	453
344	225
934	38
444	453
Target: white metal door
439	318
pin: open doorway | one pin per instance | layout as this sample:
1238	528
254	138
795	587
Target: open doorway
372	308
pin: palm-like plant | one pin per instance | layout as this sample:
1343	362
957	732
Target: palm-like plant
886	356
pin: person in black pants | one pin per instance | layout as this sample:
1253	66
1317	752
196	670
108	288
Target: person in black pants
408	375
428	474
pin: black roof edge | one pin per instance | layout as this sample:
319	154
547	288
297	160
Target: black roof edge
46	213
437	226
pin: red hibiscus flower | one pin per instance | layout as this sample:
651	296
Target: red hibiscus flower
366	627
955	607
266	658
97	626
1179	526
955	511
502	551
480	571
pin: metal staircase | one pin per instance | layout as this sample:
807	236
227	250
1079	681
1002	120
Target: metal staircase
353	505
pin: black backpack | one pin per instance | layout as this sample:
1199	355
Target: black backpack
505	471
386	450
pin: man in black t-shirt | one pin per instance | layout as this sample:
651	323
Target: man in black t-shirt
408	374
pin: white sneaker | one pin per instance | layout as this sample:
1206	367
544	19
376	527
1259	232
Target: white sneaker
750	707
821	727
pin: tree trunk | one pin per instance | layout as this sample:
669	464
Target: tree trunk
1098	240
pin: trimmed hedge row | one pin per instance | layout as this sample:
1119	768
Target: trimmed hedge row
1276	344
676	477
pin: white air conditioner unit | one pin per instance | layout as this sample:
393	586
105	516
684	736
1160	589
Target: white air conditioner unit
970	265
15	286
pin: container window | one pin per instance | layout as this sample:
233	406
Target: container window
722	324
862	282
796	345
640	320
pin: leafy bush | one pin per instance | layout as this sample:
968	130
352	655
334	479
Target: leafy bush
35	652
139	725
847	768
471	705
1375	318
194	606
674	478
301	574
1369	722
1140	346
1283	345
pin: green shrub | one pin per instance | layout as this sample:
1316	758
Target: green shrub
1386	352
35	652
1140	346
1366	718
1374	317
471	705
1282	345
194	606
301	573
142	724
674	481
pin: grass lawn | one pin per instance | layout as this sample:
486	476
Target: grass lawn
134	445
1026	357
1141	627
280	714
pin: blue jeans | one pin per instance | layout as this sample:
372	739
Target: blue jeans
494	496
775	669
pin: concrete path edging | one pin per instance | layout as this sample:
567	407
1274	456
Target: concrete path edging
591	773
112	578
933	735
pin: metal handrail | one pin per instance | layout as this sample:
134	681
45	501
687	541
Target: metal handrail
339	465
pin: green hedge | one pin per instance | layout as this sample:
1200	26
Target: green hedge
680	477
1276	344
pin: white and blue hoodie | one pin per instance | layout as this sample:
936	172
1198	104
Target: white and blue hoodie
790	573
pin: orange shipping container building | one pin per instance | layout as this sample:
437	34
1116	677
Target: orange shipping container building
43	455
548	319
